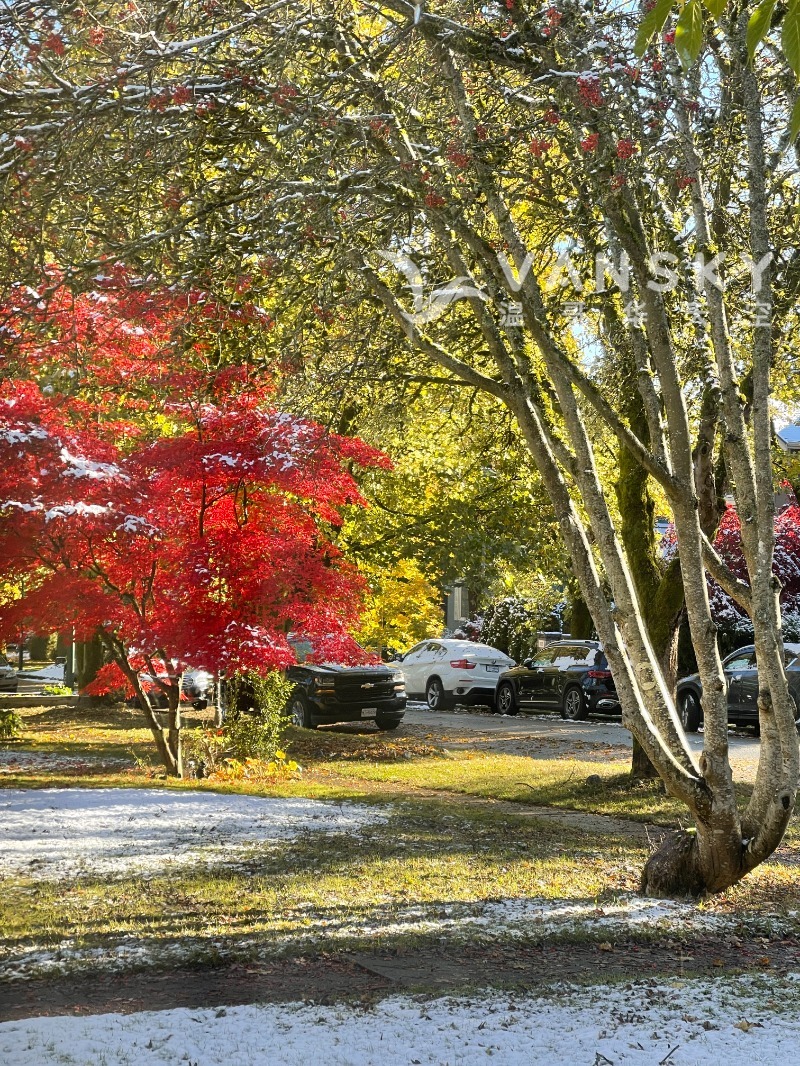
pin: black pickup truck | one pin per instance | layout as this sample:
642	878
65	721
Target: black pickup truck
328	693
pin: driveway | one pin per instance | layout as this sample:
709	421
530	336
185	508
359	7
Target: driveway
548	736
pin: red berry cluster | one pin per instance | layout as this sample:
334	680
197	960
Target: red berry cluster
589	90
683	181
457	156
433	199
539	147
625	149
554	18
283	94
590	143
55	44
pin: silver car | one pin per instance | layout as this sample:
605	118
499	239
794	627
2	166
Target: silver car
8	676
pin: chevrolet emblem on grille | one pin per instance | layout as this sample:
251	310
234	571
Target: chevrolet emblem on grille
368	684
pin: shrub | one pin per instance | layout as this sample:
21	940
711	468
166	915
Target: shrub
251	733
513	624
10	724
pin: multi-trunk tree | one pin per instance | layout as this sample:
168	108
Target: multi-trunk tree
515	191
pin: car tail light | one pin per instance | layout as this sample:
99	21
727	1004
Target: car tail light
600	675
462	664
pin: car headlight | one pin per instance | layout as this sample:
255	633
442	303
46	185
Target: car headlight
322	681
399	682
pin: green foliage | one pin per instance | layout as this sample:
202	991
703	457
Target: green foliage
716	7
790	36
257	735
794	125
252	731
652	24
689	33
253	736
269	694
10	724
758	24
42	646
460	500
56	690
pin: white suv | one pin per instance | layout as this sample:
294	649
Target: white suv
445	672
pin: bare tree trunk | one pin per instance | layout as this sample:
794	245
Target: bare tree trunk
658	585
581	626
89	654
169	753
166	746
174	738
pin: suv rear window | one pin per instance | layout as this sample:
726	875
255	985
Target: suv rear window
574	655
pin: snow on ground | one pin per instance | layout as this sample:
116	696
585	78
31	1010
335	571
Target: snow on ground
57	833
528	919
54	834
737	1021
29	762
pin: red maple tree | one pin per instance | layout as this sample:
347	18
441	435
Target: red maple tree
786	567
201	544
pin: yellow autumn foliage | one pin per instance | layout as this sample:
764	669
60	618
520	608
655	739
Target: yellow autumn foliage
403	606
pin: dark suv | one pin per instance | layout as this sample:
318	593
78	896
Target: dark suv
569	675
328	693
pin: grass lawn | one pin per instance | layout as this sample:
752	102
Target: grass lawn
446	842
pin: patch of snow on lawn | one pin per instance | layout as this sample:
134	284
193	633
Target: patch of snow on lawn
15	762
57	833
734	1021
531	920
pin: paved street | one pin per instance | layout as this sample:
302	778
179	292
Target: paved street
560	737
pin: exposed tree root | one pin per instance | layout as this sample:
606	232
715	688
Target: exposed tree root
673	869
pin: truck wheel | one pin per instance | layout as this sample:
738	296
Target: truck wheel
386	725
299	711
